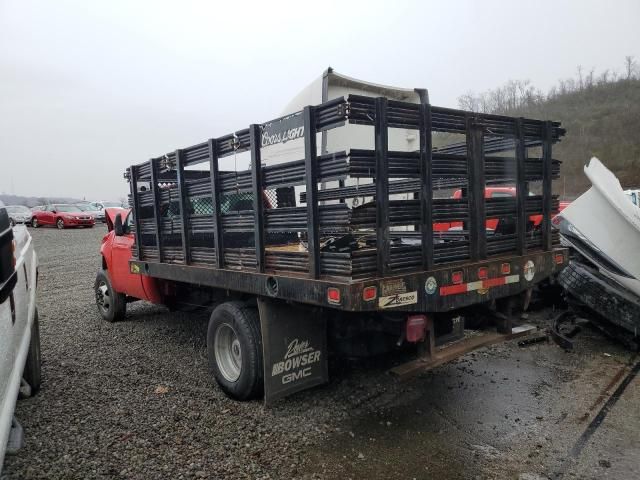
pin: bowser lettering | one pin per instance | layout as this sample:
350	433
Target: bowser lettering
297	362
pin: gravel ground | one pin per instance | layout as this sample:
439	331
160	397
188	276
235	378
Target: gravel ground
135	400
101	412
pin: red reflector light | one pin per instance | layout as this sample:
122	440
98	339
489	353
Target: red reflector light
369	293
456	277
505	269
333	295
483	273
416	328
559	258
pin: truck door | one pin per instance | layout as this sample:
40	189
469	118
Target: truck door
134	285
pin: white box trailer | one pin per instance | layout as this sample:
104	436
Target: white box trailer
331	85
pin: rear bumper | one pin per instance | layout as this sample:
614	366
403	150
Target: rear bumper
426	291
79	223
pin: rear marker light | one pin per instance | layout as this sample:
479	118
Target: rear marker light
559	258
333	295
505	269
483	273
456	277
369	293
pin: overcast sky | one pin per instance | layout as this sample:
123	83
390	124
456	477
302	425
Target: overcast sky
88	88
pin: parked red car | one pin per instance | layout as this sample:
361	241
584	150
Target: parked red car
492	223
62	216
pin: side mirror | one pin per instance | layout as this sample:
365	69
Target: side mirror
8	275
117	225
53	211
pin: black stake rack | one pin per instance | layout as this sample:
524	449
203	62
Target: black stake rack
256	220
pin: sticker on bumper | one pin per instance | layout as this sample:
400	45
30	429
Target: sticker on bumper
398	300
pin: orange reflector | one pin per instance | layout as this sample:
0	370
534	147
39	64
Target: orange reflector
505	269
369	293
456	277
333	295
559	258
483	272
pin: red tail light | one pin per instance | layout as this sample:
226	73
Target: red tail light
369	293
559	258
483	273
505	269
333	295
456	277
416	328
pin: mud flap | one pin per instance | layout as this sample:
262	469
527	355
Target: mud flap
294	346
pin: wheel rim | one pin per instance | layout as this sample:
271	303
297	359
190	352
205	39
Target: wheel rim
103	298
228	352
60	224
34	223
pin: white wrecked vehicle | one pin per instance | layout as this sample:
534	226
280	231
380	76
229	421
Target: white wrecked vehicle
603	227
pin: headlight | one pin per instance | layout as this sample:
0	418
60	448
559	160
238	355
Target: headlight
69	217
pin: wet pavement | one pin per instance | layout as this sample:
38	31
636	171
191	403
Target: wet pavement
500	412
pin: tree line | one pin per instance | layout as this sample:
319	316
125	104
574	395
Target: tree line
522	94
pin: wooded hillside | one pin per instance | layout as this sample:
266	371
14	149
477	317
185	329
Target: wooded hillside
601	115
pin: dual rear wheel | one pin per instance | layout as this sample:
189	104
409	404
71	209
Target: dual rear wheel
234	349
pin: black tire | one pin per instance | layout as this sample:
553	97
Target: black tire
32	370
34	223
112	305
60	223
245	324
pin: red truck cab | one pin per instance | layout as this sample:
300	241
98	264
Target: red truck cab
115	282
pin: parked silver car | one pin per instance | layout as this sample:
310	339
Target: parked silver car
19	214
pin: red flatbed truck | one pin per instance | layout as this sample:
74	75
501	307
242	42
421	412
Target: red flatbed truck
294	264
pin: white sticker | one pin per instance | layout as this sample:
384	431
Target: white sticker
529	270
398	300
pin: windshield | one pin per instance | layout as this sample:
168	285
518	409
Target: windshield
65	208
111	204
18	209
83	208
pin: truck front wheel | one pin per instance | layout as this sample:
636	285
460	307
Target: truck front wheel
111	304
234	349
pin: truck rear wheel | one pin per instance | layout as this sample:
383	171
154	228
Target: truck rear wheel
32	370
234	348
111	304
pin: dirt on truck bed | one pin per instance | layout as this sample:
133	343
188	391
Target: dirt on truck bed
135	400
